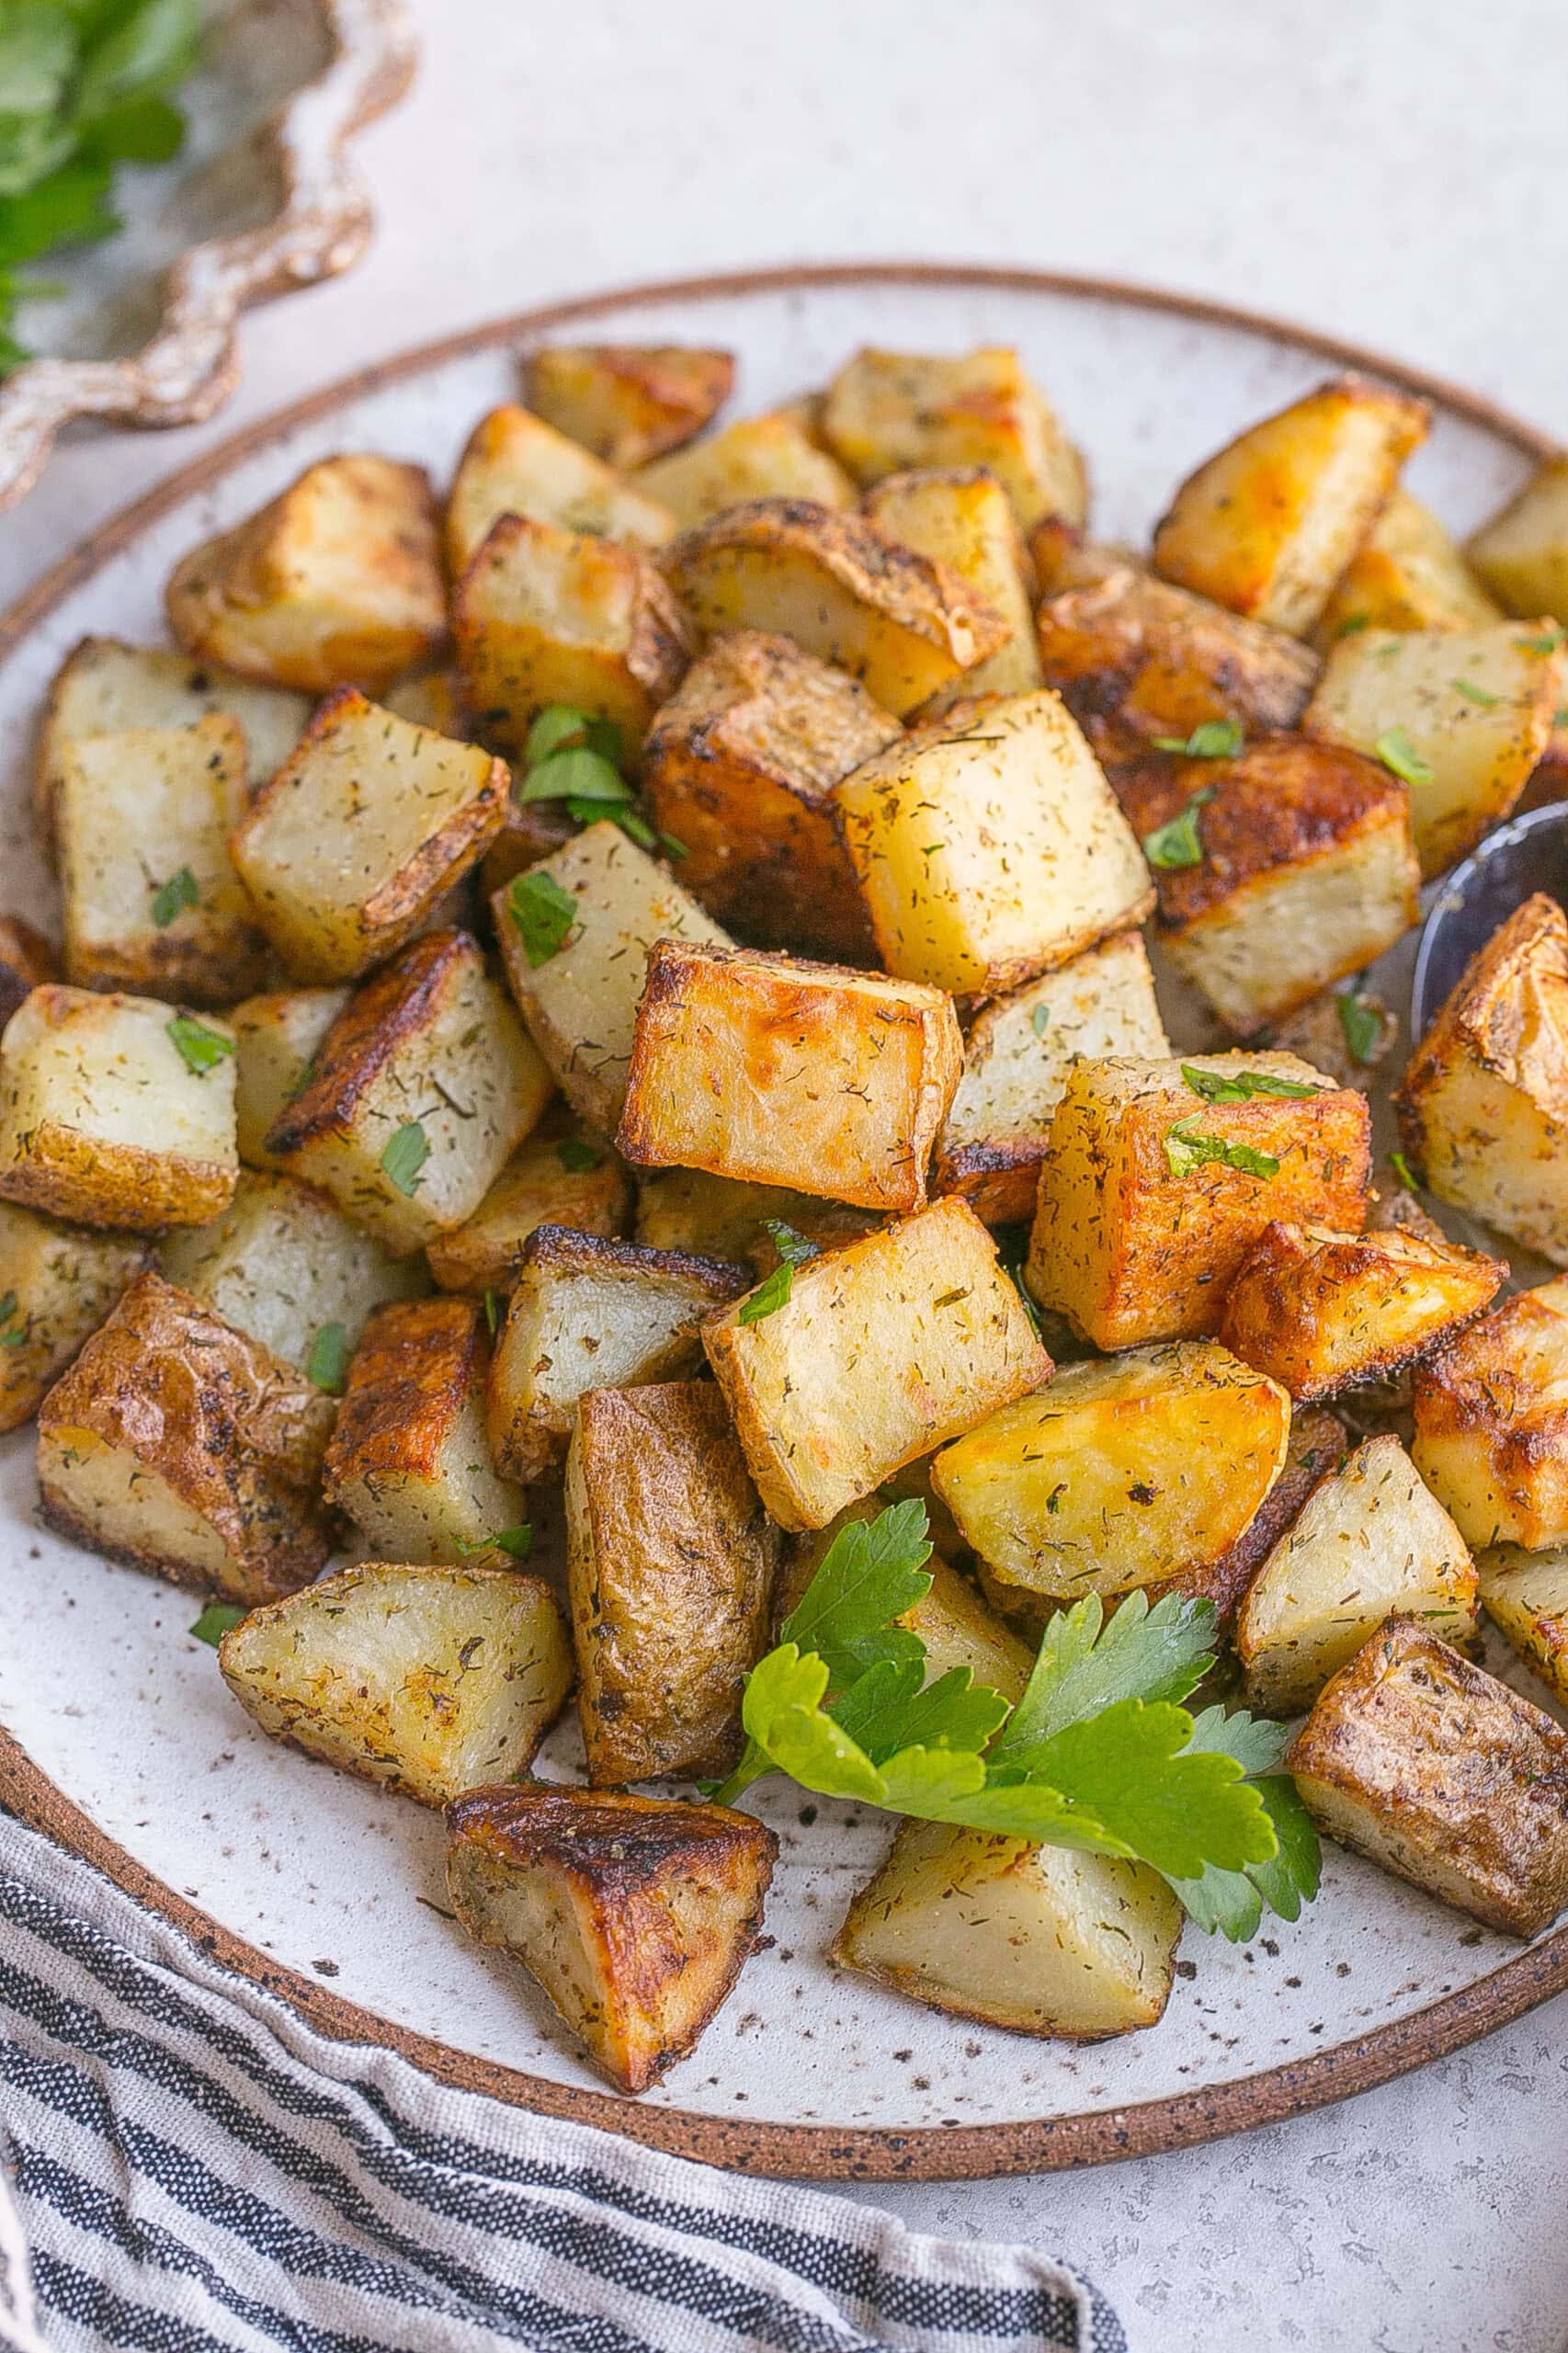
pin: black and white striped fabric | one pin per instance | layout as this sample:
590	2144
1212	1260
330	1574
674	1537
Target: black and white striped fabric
191	2169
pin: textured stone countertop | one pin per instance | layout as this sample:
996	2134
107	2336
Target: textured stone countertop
1385	172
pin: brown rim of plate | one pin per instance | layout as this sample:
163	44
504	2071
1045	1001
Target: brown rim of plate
800	2151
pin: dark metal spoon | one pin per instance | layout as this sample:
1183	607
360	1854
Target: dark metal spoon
1528	854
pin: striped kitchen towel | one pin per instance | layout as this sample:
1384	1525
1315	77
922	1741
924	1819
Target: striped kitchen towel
192	2169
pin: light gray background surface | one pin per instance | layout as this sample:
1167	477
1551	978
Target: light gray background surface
1393	172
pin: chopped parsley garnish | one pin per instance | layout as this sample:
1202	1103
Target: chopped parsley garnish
792	1247
1187	1149
1177	844
1547	643
1039	1019
171	898
1240	1087
492	1305
201	1049
1399	756
403	1160
328	1367
576	1157
1353	623
578	775
1401	1167
545	914
769	1296
216	1620
1362	1025
561	728
1473	693
1212	739
13	1335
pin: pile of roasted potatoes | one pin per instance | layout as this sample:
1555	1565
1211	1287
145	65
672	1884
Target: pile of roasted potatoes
497	919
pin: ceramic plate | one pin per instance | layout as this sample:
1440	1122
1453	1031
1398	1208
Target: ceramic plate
119	1736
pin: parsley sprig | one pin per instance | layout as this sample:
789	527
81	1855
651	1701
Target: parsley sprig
1177	843
1099	1753
572	757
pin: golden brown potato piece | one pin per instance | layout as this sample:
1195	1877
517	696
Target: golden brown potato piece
626	402
1036	1938
880	1352
759	457
1136	660
1409	575
591	1314
1483	1103
1441	1774
1016	1057
27	962
278	1038
961	516
1525	1597
888	411
688	1209
1522	554
1269	524
1317	1309
740	767
1463	714
180	1447
430	1680
1370	1543
990	847
561	1178
359	836
670	1559
1318	1444
544	615
1304	869
634	1914
1155	1189
517	464
57	1284
336	583
114	1111
1491	1410
420	1093
409	1463
778	1071
1120	1473
151	898
843	590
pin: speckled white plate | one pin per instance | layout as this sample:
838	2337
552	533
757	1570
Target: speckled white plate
117	1734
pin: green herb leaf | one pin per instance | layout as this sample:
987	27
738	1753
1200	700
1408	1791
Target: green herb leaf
137	130
328	1366
577	1157
1473	693
13	1335
171	898
216	1620
1560	716
792	1247
201	1049
1039	1019
576	775
1352	624
405	1156
1177	844
871	1573
560	727
1212	739
1401	1169
493	1311
152	48
1362	1025
1240	1087
632	822
1548	643
673	847
517	1541
1187	1149
769	1296
1086	1665
545	914
1399	756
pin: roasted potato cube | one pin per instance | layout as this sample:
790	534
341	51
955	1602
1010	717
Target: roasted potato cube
57	1284
1317	1309
420	1093
1154	1192
585	1313
961	516
1370	1543
990	847
559	1178
1269	524
759	457
27	962
880	1352
1483	1103
1463	714
544	615
1305	869
1136	660
579	987
783	1073
1016	1057
431	698
151	897
1441	1774
1409	575
670	1560
1525	1597
517	464
688	1209
626	402
1318	1444
107	688
277	1041
888	411
843	590
181	1447
1491	1409
285	1266
633	1915
740	767
336	583
1522	554
428	1680
112	1112
409	1462
365	827
1118	1473
1037	1939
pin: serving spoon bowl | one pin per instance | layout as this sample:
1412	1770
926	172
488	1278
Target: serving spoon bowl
1528	854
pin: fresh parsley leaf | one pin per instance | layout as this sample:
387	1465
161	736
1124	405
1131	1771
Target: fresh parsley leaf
1401	1169
216	1620
150	48
577	774
1548	643
1473	693
873	1573
1399	756
13	1335
560	727
403	1159
1177	844
632	822
171	898
1087	1664
1240	1087
492	1305
545	914
672	846
886	1708
1187	1149
769	1296
1212	739
1039	1019
517	1541
576	1156
1176	1807
328	1366
201	1049
1353	623
792	1247
1362	1025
